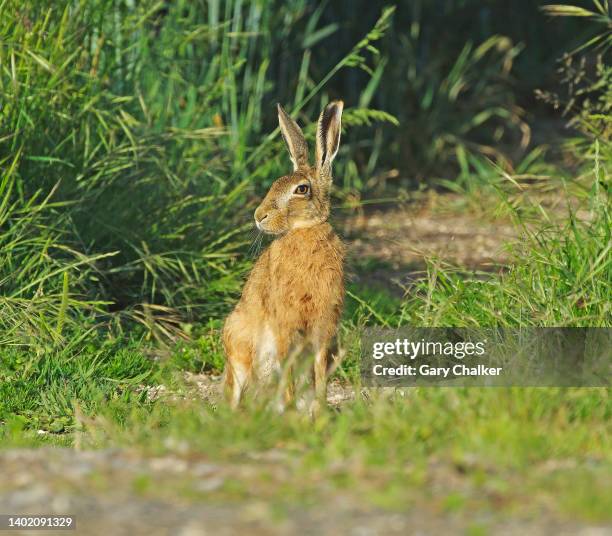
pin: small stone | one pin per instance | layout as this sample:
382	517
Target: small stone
209	484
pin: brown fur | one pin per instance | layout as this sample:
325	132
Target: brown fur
293	296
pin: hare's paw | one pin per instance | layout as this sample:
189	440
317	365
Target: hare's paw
316	408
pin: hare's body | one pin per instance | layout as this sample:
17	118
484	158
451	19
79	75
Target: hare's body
293	297
302	269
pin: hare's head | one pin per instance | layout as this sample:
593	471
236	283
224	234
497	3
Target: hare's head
301	199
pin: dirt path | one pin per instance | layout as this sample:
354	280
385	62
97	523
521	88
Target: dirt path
123	492
402	237
117	492
388	246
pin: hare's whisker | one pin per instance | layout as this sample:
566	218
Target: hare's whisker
256	244
254	248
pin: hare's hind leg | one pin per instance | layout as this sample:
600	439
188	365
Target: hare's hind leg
239	358
237	375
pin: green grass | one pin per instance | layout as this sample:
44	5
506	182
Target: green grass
41	390
505	451
133	137
559	274
496	450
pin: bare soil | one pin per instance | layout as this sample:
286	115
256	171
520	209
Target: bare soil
403	237
117	492
390	246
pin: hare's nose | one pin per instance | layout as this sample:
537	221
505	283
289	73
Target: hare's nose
259	219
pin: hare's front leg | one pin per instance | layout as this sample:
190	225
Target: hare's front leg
274	363
320	373
319	377
288	369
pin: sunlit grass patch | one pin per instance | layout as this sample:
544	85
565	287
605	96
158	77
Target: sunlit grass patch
498	450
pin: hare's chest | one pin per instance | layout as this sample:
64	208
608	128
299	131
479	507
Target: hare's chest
306	277
294	270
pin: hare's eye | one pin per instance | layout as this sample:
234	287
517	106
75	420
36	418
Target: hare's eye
302	189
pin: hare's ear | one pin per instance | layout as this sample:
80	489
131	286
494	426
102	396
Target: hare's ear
328	135
292	134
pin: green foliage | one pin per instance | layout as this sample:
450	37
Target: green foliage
586	76
132	136
202	354
460	103
469	88
41	275
559	272
45	389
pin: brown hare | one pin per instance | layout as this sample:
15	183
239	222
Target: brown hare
293	297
